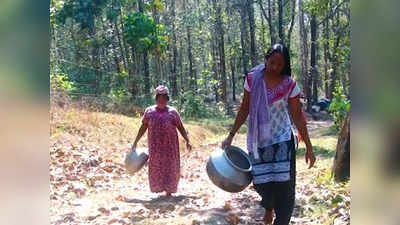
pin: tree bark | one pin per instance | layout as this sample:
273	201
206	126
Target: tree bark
244	39
289	36
221	47
147	85
263	32
314	72
326	57
304	56
190	53
253	52
269	19
341	163
175	53
280	22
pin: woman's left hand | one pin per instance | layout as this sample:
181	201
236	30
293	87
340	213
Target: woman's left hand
189	146
309	157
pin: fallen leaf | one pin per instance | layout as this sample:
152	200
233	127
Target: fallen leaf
232	219
227	206
104	211
108	169
120	198
114	220
126	214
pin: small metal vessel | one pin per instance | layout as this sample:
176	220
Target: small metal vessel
135	160
230	170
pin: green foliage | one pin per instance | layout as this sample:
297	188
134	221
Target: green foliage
61	82
143	34
193	105
339	106
118	97
82	11
317	7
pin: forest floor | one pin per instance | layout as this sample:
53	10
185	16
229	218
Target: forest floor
88	183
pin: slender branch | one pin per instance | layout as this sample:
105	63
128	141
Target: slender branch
332	13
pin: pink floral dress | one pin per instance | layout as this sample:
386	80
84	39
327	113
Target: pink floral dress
164	160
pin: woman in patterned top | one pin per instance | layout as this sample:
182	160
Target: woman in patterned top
271	98
162	121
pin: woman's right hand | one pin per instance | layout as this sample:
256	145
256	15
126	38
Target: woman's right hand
227	142
134	146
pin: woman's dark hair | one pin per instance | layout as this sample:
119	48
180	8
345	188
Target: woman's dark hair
167	96
279	48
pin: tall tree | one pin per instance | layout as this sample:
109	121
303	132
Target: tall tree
221	48
145	59
268	18
252	24
174	52
192	74
304	56
314	72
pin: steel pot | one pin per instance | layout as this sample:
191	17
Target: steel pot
135	160
230	170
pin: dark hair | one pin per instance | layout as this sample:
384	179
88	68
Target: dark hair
279	48
166	95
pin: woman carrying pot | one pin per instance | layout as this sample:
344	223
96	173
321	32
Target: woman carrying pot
271	97
162	122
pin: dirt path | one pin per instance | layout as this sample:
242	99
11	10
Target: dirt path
88	189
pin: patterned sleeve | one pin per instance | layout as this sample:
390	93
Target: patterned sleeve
146	116
295	92
177	117
247	82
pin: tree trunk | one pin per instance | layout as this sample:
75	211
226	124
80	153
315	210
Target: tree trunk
190	54
341	163
326	57
263	32
314	72
157	58
221	47
292	21
174	86
269	19
182	84
244	39
117	34
304	56
233	79
190	58
214	68
253	52
147	85
280	22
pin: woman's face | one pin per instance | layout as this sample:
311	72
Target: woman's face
162	101
275	63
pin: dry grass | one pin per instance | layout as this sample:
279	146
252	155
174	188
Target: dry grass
114	131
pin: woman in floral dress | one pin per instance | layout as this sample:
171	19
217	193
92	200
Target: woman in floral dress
162	122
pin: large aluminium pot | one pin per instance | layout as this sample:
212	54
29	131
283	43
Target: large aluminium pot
230	170
135	160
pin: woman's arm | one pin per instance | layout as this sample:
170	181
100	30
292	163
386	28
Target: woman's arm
240	118
299	121
141	131
184	134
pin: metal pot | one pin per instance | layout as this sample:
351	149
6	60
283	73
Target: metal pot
230	170
135	160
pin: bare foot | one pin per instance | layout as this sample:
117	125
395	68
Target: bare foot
269	215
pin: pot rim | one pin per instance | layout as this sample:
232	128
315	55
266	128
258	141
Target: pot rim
235	148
